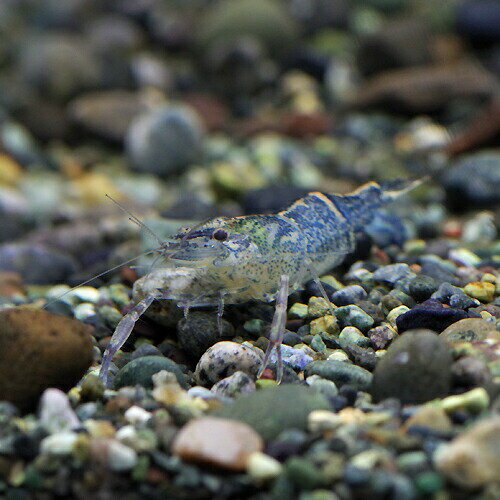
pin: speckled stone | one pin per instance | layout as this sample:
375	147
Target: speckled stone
224	359
415	369
40	350
223	443
235	384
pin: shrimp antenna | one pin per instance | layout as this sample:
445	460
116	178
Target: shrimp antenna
98	276
136	220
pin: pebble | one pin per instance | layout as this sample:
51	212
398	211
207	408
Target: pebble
224	359
323	386
327	324
107	114
462	301
318	307
422	287
352	336
265	21
165	141
468	330
354	316
235	384
40	350
218	442
431	314
55	412
340	373
112	454
272	410
482	291
262	468
393	273
471	460
381	336
141	370
349	295
60	443
395	313
199	331
303	473
415	369
37	264
473	180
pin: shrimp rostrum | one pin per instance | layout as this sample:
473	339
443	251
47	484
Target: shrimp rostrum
229	260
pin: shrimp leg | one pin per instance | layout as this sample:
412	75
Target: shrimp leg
122	333
277	329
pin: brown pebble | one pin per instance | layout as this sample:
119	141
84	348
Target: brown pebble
11	284
472	460
219	442
40	350
468	330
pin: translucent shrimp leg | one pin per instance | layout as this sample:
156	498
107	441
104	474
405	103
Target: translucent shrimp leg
277	329
122	333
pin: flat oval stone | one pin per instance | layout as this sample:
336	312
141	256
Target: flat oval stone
219	442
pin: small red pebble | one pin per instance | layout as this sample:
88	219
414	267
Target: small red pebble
268	374
452	229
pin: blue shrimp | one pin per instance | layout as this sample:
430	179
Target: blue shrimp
230	260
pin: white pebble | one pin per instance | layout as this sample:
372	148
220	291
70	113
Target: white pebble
262	467
60	443
55	412
137	415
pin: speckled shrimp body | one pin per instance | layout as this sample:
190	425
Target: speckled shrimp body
265	257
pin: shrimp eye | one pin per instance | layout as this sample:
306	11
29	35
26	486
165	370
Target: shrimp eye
220	234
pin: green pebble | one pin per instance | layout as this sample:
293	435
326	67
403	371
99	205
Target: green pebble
33	480
282	488
318	307
140	471
341	373
298	311
303	473
92	388
326	324
394	313
254	326
140	370
352	336
119	294
110	315
274	409
354	316
429	483
318	495
411	461
317	344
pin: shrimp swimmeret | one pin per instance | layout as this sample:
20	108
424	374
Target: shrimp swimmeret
266	257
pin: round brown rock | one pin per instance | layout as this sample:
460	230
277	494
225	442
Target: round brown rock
219	442
39	350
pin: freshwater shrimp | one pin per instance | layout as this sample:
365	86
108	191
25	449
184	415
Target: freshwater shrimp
230	260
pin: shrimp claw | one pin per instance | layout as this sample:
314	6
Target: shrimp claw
277	329
122	332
